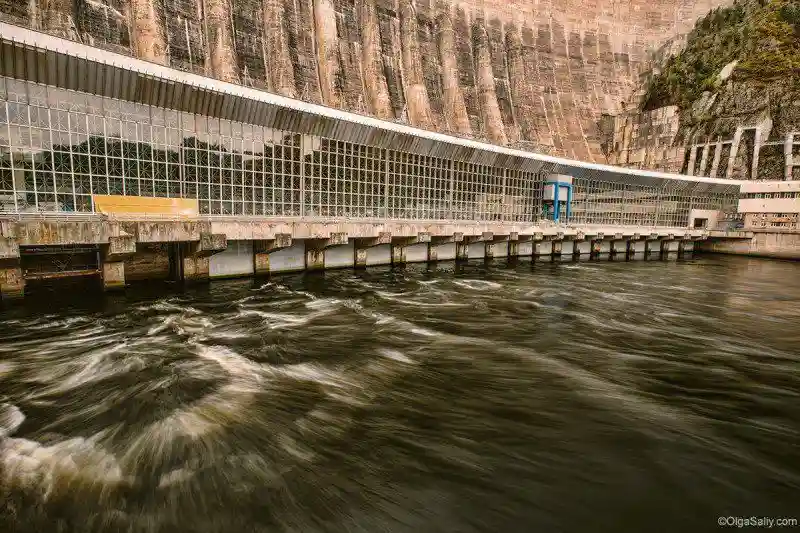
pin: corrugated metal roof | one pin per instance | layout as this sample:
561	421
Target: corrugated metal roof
34	56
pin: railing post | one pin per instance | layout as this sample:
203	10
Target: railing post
7	134
450	190
503	207
303	140
659	199
386	183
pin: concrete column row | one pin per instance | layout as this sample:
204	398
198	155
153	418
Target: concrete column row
209	257
191	261
285	254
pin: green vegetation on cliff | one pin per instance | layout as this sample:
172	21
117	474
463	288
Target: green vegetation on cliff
762	35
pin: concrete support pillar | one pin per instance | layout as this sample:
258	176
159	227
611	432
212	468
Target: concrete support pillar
582	248
479	244
636	247
737	140
488	252
669	247
400	254
601	248
315	257
500	246
462	251
685	246
362	245
535	240
756	151
360	256
398	257
12	280
652	247
113	261
715	161
704	160
195	268
692	160
113	275
430	251
196	256
263	249
315	250
788	154
619	246
513	248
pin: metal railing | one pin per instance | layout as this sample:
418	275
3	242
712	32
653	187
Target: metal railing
59	148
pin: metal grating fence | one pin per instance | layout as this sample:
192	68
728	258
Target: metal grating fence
60	147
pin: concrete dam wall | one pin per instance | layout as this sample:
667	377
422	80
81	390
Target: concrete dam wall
534	74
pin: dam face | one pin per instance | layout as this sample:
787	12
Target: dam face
534	74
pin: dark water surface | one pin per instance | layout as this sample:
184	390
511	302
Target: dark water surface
624	397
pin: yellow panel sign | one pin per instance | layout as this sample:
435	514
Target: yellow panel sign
144	205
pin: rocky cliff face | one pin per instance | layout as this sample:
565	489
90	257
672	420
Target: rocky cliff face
536	74
727	104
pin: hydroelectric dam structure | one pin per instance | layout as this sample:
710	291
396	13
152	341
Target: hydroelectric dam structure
122	169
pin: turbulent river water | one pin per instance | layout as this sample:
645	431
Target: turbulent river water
624	397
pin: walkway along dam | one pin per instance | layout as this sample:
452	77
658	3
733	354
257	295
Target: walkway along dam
128	170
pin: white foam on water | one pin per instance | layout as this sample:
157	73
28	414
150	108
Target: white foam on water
203	419
167	305
383	319
11	417
175	477
396	356
97	365
286	320
27	464
417	303
424	332
166	323
93	366
231	362
315	373
63	323
318	308
252	312
477	284
325	304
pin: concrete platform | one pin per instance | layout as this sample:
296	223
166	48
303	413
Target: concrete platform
218	247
